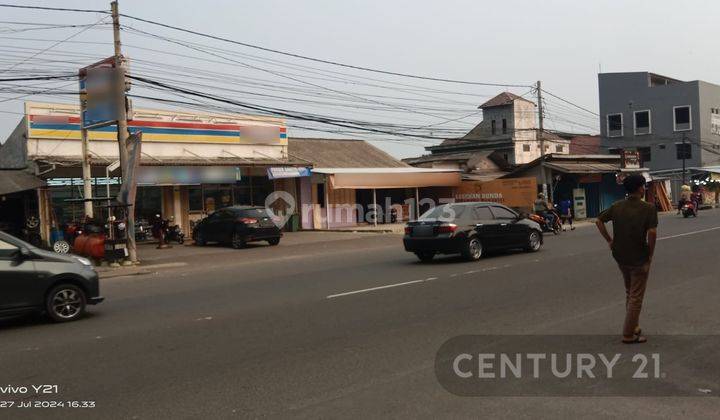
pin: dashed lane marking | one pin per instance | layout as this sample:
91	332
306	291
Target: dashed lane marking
406	283
689	233
372	289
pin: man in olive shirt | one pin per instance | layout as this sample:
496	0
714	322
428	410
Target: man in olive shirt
633	245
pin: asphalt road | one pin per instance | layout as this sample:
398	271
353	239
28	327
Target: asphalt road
350	328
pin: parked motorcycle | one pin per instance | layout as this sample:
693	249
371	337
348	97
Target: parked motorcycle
689	209
555	227
142	230
169	232
174	233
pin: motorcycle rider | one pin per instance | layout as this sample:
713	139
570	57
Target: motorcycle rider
543	208
685	196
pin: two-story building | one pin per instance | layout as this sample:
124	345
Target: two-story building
506	137
671	123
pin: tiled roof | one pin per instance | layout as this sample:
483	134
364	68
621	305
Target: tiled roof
505	98
340	153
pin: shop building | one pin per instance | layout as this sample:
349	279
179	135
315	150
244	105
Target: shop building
590	181
191	163
351	178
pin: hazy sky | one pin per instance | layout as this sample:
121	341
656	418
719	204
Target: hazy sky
562	43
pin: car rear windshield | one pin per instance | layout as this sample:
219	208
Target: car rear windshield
444	212
252	213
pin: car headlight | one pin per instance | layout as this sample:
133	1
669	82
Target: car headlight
83	261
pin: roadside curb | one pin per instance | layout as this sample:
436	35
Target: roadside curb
137	270
355	230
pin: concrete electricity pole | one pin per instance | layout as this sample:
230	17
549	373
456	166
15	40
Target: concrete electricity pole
86	173
540	118
684	156
122	130
541	137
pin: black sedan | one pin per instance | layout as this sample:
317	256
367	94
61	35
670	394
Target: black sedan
34	280
237	225
470	229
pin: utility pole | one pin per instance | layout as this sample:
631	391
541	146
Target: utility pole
86	173
540	119
541	138
122	130
684	156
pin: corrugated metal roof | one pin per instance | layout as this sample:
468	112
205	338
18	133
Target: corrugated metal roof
483	176
18	180
176	161
447	156
583	167
403	170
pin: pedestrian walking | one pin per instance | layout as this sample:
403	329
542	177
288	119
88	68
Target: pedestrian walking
566	212
633	245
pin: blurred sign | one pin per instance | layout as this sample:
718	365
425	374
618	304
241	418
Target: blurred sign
187	175
630	159
287	172
579	203
128	188
98	86
512	192
715	123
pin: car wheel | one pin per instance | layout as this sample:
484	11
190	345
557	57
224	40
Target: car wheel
237	241
425	256
473	249
534	241
274	241
65	302
200	239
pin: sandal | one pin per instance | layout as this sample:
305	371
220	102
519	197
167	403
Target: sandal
637	339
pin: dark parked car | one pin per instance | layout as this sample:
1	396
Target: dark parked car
34	280
237	225
470	229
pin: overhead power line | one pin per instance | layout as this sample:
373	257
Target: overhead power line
318	60
53	45
56	9
23	79
571	103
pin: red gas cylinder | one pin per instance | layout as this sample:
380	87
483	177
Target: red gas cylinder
90	245
79	245
96	246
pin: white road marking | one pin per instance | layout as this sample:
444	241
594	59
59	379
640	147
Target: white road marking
406	283
689	233
372	289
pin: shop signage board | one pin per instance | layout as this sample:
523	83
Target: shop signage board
278	172
630	159
128	188
187	175
512	192
98	92
67	128
579	203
